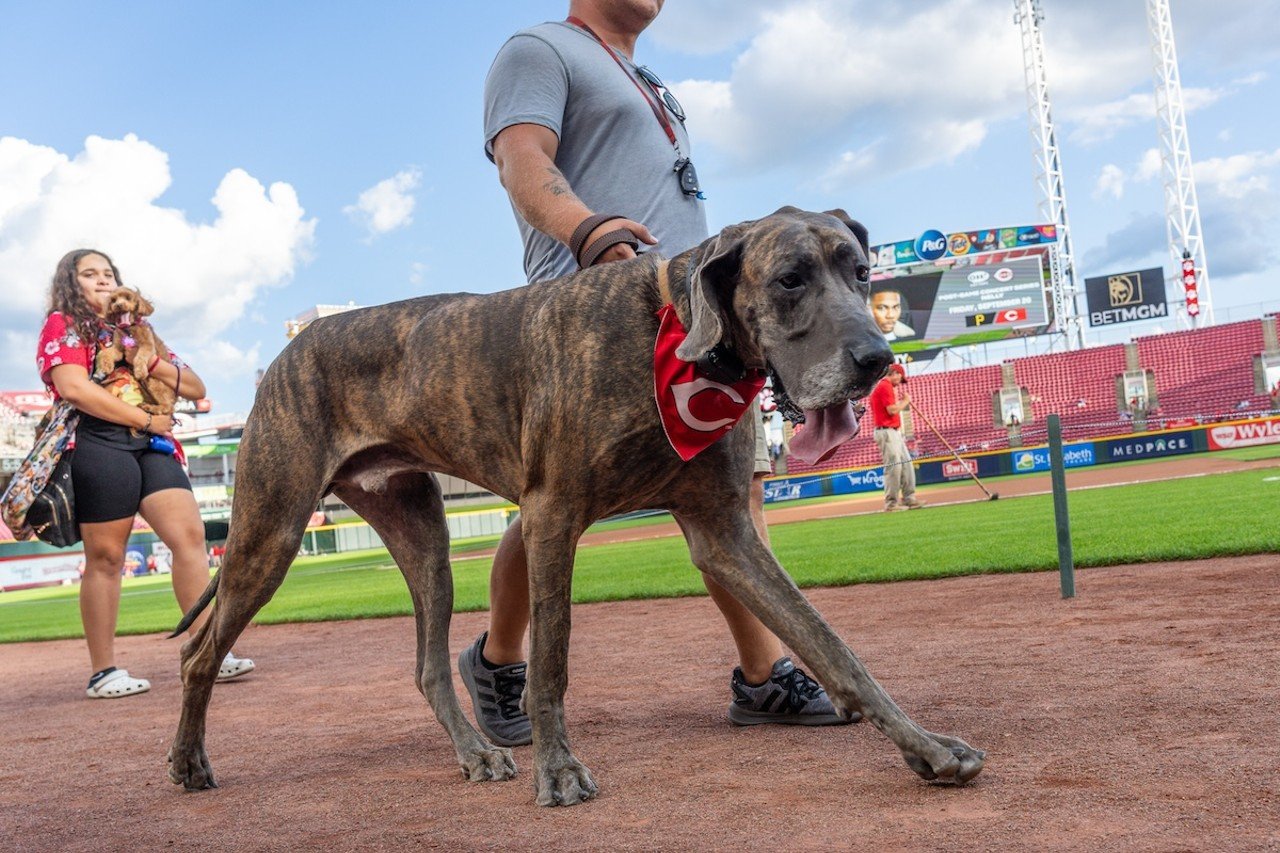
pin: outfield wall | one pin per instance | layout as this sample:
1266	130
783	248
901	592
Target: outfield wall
1028	460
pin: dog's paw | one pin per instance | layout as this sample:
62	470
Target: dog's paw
494	764
191	769
564	784
948	759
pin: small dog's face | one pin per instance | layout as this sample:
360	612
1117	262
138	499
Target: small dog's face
127	306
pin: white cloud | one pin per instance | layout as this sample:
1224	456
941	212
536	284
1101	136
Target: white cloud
388	204
821	82
1110	182
1250	79
1237	176
1150	166
224	365
852	90
417	272
200	275
1099	122
1239	211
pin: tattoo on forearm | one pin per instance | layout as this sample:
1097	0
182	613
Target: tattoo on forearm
557	185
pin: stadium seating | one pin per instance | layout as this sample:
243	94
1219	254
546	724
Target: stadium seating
1204	374
17	431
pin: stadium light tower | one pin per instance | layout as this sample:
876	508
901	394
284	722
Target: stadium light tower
1186	242
1053	203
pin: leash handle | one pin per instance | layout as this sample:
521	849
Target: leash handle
597	248
605	242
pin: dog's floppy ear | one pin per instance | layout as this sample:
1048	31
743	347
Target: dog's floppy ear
719	260
145	308
859	230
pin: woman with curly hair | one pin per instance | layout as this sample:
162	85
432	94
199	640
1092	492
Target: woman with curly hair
115	472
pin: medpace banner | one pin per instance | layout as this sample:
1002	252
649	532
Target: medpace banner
1145	447
1125	297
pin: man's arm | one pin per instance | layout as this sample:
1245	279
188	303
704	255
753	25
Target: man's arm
525	155
900	406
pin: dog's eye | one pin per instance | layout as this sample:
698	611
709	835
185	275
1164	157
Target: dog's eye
863	272
790	281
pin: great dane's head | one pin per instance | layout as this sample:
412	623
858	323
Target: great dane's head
790	292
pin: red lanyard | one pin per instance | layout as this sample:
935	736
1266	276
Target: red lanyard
654	103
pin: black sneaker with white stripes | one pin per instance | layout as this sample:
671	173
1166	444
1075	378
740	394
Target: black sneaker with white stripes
789	697
495	695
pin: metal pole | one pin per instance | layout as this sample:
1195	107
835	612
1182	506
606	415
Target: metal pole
1066	567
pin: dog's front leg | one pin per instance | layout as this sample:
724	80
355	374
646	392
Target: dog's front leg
726	546
110	355
143	355
550	540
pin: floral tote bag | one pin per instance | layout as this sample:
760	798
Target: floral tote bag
52	439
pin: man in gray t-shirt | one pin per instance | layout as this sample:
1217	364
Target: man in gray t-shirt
612	151
573	125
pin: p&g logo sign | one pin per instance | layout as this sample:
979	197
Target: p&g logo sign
931	245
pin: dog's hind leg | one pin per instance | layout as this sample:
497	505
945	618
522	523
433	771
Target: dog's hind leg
409	516
277	491
724	544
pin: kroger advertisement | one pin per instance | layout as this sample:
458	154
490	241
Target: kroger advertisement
944	307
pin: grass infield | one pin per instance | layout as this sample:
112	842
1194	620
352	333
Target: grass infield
1193	518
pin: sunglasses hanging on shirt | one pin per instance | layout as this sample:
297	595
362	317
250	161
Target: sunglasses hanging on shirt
686	174
660	88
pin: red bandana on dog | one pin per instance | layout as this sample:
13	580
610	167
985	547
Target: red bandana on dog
695	410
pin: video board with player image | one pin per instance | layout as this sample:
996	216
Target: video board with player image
930	308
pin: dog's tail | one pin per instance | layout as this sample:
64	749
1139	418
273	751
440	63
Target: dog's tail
209	592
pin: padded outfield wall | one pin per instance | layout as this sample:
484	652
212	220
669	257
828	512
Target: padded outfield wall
1028	460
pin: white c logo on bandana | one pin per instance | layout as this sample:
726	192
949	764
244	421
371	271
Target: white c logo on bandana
686	391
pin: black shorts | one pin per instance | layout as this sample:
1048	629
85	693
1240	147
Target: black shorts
112	471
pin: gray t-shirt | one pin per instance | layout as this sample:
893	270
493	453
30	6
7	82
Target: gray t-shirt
613	152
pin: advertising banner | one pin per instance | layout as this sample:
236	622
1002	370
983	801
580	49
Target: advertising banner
961	305
1146	447
1126	297
27	402
947	470
1248	434
933	245
1037	458
870	480
40	569
793	488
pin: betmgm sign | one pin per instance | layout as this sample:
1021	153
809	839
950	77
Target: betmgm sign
1126	297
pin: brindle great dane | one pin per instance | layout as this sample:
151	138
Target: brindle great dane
544	395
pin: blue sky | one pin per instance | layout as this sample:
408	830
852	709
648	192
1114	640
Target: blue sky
245	161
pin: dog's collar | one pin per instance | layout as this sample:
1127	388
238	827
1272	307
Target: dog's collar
664	285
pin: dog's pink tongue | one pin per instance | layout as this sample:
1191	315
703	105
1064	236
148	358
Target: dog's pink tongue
824	430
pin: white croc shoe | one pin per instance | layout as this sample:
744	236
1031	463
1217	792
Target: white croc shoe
116	684
234	667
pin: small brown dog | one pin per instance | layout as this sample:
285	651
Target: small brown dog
126	315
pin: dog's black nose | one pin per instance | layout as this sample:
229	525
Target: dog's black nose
872	356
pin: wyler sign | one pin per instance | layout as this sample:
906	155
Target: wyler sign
1247	434
1126	297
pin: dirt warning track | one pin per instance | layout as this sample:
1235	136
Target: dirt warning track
1140	715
